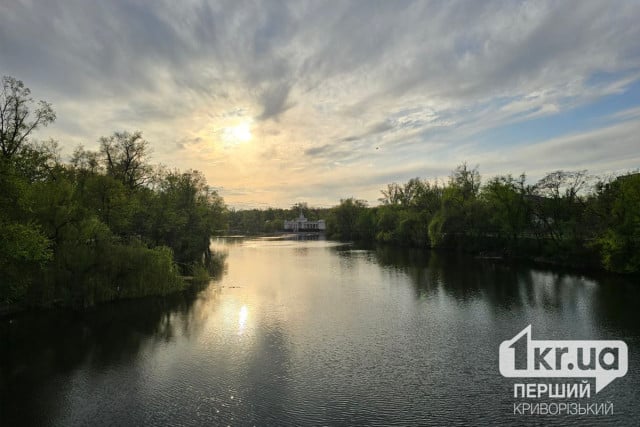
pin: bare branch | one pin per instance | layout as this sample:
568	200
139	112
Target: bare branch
15	110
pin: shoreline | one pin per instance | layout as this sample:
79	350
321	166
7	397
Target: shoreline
12	310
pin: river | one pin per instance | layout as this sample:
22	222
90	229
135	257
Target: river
317	333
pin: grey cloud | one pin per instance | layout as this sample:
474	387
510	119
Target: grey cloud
394	74
340	152
315	151
372	130
124	44
345	139
275	101
380	127
183	143
454	50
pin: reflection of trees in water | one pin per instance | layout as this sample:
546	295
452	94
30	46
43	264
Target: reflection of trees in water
504	284
349	255
616	304
61	342
301	251
306	236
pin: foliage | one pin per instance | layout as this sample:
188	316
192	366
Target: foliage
125	158
109	225
507	207
270	220
345	218
557	219
619	237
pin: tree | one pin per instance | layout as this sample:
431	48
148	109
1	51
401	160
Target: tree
507	206
405	195
126	158
85	161
39	161
559	184
186	215
392	195
387	223
558	209
301	208
343	221
460	214
428	197
466	181
18	118
619	240
24	247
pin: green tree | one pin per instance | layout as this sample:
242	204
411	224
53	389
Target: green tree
387	223
104	227
507	207
619	239
24	247
187	214
392	195
558	207
460	212
428	197
343	221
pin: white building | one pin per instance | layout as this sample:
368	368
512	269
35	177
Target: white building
303	224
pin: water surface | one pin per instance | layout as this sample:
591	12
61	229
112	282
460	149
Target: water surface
314	333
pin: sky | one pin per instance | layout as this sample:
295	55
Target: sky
280	102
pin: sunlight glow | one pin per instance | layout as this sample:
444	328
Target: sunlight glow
237	134
242	319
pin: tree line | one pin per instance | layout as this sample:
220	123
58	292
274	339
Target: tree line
270	220
565	217
106	225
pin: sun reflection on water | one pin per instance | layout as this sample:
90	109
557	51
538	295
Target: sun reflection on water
242	319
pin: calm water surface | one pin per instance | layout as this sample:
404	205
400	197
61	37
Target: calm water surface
315	333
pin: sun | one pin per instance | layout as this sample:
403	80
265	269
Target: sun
237	134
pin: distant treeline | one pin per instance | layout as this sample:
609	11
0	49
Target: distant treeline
564	218
105	226
270	220
567	217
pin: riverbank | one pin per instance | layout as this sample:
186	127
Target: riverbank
12	310
585	265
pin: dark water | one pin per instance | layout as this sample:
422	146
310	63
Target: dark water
314	333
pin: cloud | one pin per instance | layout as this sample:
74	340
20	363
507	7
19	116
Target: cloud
330	90
316	151
599	150
274	101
